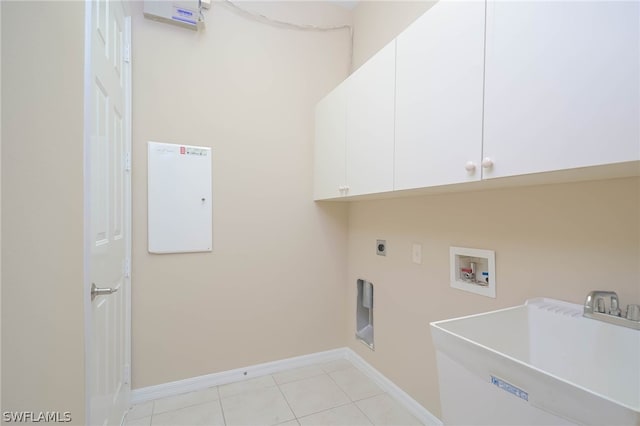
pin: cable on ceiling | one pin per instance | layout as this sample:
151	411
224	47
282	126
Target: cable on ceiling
290	25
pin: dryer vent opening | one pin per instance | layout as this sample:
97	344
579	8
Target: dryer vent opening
364	313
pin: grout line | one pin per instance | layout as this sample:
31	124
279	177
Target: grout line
153	412
303	378
362	411
224	419
372	396
340	405
340	387
244	390
339	369
186	406
366	378
153	406
327	409
295	417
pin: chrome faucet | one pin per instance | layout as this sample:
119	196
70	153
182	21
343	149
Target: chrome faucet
595	301
595	308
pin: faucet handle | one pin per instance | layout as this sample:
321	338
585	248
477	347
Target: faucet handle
633	312
615	309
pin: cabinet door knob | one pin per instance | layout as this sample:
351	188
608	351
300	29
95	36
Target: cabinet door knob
470	167
487	162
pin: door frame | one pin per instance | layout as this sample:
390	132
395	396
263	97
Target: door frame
127	221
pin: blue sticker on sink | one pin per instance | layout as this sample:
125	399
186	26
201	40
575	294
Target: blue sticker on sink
508	387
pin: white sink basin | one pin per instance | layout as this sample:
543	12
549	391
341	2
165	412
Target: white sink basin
538	363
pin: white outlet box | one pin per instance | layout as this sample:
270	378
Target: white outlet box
416	253
473	270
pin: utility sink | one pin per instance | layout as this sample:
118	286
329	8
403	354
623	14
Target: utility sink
538	363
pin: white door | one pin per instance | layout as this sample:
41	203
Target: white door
107	204
439	89
370	118
562	88
329	145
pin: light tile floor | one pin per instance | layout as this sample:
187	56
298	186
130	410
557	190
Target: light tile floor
335	393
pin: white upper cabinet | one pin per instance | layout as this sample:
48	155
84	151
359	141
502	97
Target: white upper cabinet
475	90
562	85
330	144
370	121
439	84
354	132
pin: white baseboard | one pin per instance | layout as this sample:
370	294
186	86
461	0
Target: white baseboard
202	382
410	404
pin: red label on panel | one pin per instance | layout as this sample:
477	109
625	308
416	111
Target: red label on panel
182	150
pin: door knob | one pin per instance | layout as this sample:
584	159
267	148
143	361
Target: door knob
101	291
487	162
470	167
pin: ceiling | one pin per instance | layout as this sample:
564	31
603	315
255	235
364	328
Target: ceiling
348	4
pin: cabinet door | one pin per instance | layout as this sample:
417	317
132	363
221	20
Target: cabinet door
329	148
562	85
370	117
439	96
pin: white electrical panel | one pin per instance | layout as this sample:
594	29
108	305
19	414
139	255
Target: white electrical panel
473	270
184	13
179	198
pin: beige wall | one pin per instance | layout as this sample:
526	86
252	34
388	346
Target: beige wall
273	287
376	23
42	202
558	241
